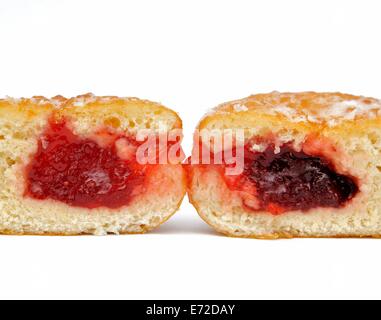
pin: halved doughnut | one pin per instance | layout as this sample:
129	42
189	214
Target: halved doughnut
71	166
300	165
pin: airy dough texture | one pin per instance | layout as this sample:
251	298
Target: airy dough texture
351	124
21	123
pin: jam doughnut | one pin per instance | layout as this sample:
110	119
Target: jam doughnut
88	165
305	165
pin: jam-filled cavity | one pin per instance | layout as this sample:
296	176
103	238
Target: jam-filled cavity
285	179
80	171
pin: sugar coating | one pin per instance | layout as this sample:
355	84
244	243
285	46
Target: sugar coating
327	108
333	113
239	107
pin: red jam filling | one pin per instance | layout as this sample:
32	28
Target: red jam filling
293	180
80	172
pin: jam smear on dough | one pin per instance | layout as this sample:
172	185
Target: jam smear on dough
286	180
80	172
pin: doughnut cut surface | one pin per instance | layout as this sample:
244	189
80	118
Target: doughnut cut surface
70	166
310	166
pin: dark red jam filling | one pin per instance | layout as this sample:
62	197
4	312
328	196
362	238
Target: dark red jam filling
293	180
80	172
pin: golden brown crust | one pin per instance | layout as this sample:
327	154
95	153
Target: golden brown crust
127	107
310	107
61	106
305	111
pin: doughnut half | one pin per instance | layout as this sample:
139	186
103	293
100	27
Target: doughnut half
69	166
310	166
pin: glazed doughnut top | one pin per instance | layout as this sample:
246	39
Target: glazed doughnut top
309	107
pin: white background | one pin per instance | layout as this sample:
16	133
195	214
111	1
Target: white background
189	55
